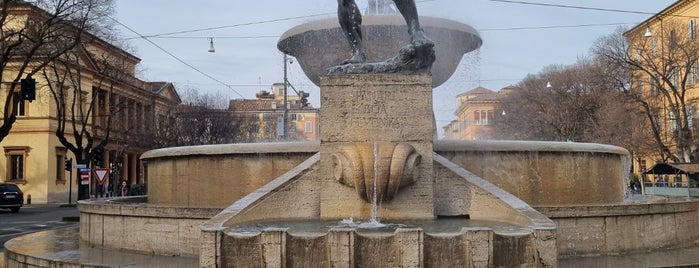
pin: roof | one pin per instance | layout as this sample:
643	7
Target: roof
251	105
674	168
479	90
165	90
645	22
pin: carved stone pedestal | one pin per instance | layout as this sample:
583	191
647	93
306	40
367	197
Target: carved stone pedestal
376	134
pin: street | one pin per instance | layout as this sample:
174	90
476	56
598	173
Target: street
34	218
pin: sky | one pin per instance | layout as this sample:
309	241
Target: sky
519	38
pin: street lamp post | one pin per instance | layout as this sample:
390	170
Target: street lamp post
286	110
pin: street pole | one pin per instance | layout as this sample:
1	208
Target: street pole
70	183
286	109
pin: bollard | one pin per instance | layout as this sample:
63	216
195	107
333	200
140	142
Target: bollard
29	199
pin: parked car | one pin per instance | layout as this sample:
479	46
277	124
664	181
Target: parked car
11	197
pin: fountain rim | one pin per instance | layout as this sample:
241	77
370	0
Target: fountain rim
383	19
235	148
519	146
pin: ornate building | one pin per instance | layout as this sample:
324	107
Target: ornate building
35	158
475	114
262	119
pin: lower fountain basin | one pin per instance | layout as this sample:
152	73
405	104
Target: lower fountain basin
436	243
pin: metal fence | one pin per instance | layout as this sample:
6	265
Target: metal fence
672	188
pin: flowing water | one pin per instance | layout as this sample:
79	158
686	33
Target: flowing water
436	226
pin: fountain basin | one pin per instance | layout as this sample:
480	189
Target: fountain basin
458	194
612	229
403	247
201	176
673	214
546	173
321	44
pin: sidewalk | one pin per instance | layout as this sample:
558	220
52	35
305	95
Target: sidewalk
683	257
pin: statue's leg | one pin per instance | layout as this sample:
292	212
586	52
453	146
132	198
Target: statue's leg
409	11
351	22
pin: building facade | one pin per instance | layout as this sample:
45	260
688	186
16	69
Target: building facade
263	119
664	54
35	158
475	114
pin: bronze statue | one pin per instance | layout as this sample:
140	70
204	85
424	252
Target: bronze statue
418	56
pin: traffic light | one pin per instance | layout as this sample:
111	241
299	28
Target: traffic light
28	87
68	164
304	98
98	156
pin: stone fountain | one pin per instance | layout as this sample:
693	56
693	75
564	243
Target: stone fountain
303	204
377	162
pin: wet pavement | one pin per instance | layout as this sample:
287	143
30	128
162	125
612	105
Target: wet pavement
62	245
684	257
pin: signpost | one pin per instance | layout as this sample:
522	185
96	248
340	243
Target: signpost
85	176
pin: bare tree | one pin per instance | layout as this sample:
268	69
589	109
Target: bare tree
663	69
564	103
33	33
200	119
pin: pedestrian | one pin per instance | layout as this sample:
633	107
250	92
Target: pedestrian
124	189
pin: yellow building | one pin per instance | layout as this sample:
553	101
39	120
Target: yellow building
475	114
663	52
262	119
34	157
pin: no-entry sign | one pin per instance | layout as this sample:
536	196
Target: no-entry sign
84	177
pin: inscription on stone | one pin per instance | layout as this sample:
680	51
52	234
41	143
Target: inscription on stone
378	109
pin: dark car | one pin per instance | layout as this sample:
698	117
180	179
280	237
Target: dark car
11	197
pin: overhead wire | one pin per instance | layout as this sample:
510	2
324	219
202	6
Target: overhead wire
168	35
175	57
573	7
588	8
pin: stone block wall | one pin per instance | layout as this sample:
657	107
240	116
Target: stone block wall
218	175
160	230
376	109
545	173
615	229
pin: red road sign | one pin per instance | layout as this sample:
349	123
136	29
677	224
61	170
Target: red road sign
101	174
85	177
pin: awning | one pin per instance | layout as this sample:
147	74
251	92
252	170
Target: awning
674	168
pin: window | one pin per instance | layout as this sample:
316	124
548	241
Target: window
691	116
482	117
639	54
309	127
654	47
675	75
692	29
16	163
21	108
60	165
654	84
694	76
672	121
673	39
294	117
